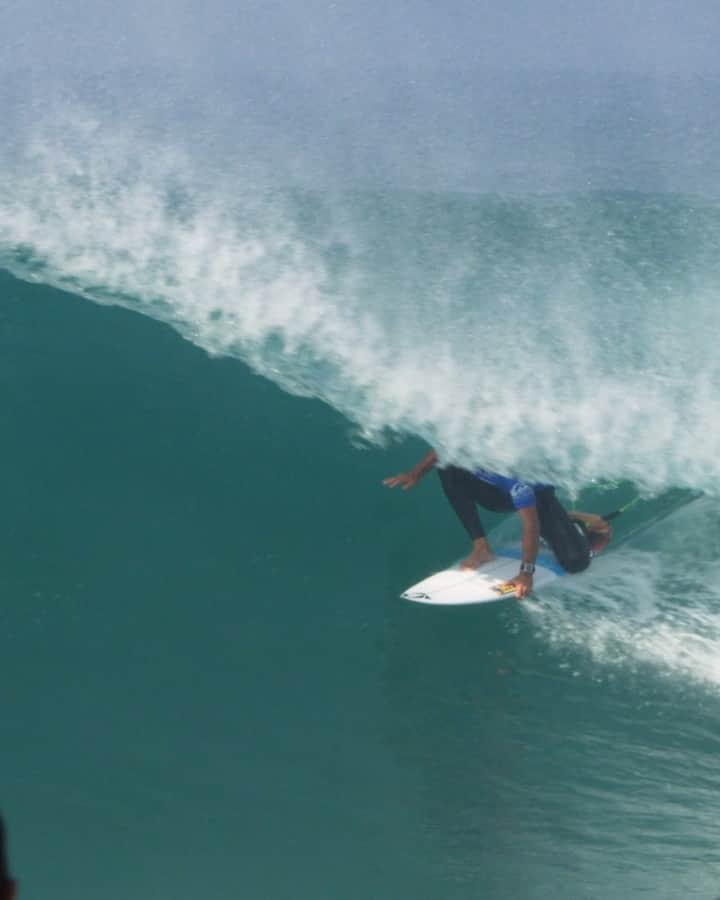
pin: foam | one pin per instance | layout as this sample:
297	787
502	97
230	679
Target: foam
648	608
553	337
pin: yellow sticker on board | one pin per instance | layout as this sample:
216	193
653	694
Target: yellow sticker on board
506	587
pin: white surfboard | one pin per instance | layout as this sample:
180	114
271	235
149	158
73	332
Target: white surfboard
456	586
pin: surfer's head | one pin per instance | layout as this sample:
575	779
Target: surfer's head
597	538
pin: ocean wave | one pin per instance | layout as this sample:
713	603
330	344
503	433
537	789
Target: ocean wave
565	337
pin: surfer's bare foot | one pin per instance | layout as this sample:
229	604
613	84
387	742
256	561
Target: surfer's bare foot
480	555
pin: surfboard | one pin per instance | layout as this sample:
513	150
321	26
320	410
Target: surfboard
456	586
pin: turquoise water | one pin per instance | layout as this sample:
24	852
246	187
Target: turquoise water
210	683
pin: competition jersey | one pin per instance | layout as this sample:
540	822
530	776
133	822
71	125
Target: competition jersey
522	493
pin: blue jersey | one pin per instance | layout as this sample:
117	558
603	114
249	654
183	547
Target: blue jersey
522	493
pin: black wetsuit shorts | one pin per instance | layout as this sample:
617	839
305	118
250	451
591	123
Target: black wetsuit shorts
466	492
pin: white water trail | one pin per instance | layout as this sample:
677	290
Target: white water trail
651	606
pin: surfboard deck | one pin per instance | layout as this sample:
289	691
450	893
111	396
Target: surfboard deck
456	586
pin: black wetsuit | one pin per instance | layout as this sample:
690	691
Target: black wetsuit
466	490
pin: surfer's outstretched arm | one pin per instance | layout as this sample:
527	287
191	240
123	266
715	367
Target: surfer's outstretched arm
411	478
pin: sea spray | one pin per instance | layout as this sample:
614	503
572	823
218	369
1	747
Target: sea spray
564	337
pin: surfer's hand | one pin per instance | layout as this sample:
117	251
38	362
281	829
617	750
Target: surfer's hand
405	479
523	585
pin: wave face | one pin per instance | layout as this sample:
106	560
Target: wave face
565	336
210	575
200	589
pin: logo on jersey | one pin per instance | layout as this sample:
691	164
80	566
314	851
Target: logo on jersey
522	495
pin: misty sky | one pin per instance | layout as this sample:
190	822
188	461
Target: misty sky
646	36
461	95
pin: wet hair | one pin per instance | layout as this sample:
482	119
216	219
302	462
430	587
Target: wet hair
597	540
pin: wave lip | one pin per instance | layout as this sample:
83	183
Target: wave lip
564	338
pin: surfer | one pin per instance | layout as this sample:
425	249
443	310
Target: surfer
539	509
